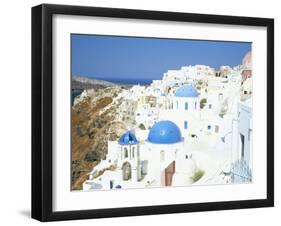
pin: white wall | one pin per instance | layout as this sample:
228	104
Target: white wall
15	111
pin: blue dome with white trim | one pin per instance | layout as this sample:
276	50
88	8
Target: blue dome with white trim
186	91
128	138
164	132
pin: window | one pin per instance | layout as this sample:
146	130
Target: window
185	124
249	134
195	105
111	184
242	140
126	154
162	156
133	152
210	106
186	106
209	127
177	105
216	128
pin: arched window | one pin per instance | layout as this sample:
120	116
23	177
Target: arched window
195	105
186	106
126	154
127	171
162	156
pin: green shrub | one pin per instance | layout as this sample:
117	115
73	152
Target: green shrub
203	103
197	175
141	126
92	156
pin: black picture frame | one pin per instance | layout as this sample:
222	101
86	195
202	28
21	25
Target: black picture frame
42	107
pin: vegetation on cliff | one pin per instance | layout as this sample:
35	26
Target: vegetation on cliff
93	123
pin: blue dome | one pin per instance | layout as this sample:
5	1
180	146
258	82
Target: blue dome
186	91
164	132
128	138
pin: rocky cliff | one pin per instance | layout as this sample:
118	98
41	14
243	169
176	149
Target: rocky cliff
94	122
79	82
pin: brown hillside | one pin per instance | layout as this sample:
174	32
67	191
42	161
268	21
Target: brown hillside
91	124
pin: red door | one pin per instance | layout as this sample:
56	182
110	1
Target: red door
169	172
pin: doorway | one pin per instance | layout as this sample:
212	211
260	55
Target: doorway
127	171
169	172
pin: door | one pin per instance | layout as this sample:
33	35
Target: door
169	172
127	171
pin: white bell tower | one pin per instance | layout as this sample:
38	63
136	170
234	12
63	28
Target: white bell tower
128	157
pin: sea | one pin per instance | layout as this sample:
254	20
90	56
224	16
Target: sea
74	94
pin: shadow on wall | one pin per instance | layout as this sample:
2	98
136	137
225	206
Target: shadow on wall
25	213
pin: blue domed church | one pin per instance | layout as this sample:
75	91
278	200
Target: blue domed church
184	109
164	144
155	162
128	157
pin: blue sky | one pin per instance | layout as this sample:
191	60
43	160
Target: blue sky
110	57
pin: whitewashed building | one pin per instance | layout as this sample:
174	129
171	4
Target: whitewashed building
171	136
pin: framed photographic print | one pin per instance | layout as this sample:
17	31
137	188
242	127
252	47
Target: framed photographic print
145	112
